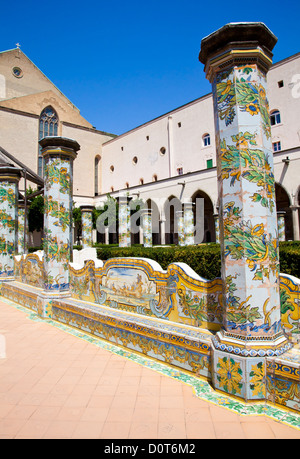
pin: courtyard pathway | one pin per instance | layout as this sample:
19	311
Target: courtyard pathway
55	384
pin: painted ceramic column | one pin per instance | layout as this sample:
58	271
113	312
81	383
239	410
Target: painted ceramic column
9	179
146	215
188	221
128	226
295	218
21	226
237	58
180	228
59	154
162	225
141	235
106	235
87	226
123	221
217	229
281	225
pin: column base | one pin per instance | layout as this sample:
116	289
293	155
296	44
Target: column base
7	278
254	346
44	302
239	365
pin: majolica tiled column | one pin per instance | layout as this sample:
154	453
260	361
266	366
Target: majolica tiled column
281	225
106	236
295	219
21	226
59	154
217	228
128	226
124	218
146	216
237	58
180	228
188	221
162	229
9	179
87	226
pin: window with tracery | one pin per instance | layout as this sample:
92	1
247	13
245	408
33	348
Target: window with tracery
48	125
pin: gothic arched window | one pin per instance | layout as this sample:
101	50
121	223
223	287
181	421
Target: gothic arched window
47	127
96	174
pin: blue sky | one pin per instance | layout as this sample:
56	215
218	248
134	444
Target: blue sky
123	63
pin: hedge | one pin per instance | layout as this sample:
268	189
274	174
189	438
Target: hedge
204	259
289	255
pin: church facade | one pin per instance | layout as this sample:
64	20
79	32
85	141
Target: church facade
172	157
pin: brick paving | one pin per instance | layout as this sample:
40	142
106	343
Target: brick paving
54	385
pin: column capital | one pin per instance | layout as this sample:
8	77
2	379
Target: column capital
123	199
87	208
237	44
145	211
188	205
59	145
10	173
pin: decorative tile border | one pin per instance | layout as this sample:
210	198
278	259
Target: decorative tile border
202	388
171	344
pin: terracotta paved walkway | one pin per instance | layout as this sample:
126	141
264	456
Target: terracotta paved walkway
55	385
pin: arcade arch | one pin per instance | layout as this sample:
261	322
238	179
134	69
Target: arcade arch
209	223
283	204
155	219
172	205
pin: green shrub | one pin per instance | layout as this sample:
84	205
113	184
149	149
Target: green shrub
204	259
289	256
34	249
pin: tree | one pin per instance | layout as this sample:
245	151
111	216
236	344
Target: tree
36	214
107	215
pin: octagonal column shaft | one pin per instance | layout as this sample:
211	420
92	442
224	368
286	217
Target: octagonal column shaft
281	225
87	226
124	221
237	58
217	228
180	228
128	226
21	228
146	216
9	179
59	154
188	222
